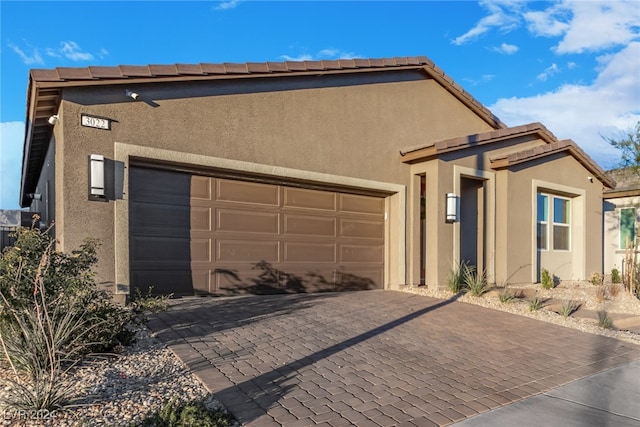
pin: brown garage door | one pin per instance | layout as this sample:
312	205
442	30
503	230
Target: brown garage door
194	234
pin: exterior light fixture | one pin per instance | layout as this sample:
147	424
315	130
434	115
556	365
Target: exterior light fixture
453	208
96	177
53	119
132	94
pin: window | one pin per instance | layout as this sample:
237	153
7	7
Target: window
627	227
543	221
556	215
561	227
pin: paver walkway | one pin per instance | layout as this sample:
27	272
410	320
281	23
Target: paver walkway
374	357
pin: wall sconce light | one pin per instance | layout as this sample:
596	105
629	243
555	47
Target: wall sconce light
453	208
132	94
53	119
35	196
96	177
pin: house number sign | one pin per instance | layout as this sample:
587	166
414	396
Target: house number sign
95	122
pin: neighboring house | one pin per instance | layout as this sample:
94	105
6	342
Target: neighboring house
621	211
10	219
302	176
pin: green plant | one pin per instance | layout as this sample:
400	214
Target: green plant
474	281
175	413
535	303
141	304
604	321
615	276
597	279
568	308
455	281
506	296
51	314
40	344
67	280
546	279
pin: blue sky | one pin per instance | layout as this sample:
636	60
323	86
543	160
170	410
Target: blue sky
572	65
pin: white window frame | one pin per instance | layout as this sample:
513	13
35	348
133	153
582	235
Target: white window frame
555	224
551	223
542	222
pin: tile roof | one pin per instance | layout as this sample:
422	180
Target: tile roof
552	146
565	145
45	86
415	153
627	183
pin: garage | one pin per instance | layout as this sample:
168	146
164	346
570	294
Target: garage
192	234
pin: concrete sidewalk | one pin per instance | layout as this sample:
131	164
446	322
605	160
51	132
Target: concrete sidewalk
610	398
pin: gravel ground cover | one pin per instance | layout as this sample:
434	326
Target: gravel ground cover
584	293
122	389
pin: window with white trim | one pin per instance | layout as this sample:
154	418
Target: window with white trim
543	222
554	222
627	227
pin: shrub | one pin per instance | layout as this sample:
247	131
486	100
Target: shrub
67	280
474	281
51	314
601	293
604	321
546	279
597	279
614	289
615	276
41	343
568	308
195	413
535	303
455	281
506	296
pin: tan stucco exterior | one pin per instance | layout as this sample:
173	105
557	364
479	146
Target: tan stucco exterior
342	131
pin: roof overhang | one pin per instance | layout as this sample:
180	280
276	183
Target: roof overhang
552	146
45	87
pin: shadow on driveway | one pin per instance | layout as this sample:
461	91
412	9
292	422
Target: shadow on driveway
373	356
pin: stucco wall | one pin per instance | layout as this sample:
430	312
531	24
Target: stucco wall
563	175
45	205
509	225
613	255
352	130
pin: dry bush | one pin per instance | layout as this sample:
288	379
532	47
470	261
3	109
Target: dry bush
601	293
614	290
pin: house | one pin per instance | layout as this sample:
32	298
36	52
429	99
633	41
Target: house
301	176
621	217
10	219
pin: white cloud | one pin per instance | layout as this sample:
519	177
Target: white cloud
67	49
12	136
72	51
548	72
547	23
581	25
32	58
585	113
501	16
597	25
303	57
329	53
507	49
226	5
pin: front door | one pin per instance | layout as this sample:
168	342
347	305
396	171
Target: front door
472	222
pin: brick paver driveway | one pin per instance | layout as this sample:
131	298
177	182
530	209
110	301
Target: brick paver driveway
374	357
